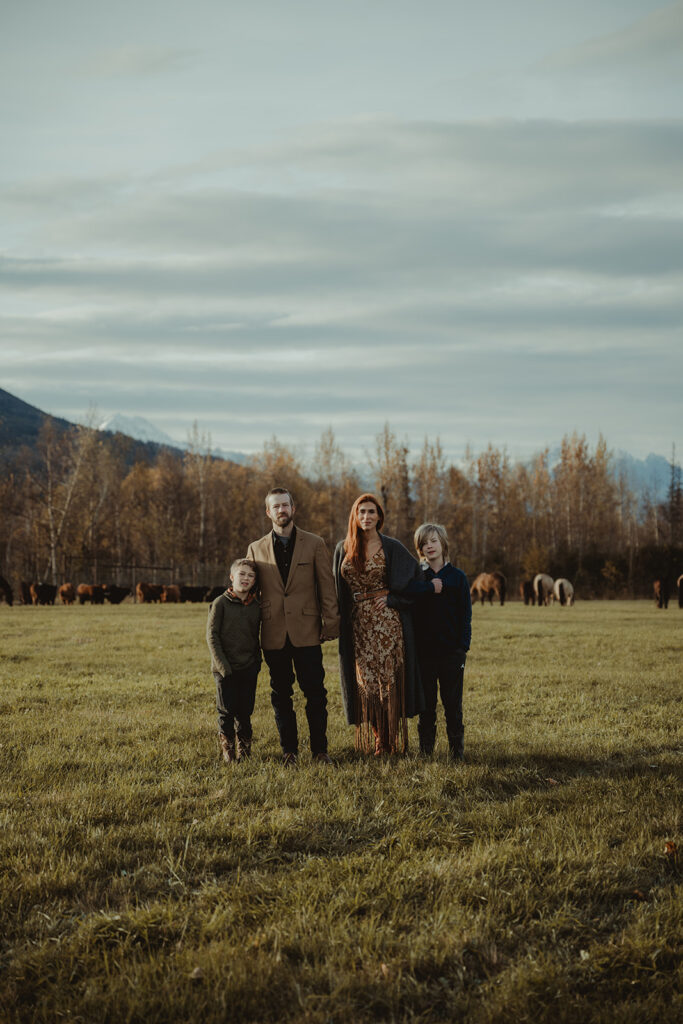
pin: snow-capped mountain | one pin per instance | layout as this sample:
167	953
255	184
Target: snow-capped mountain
139	428
142	430
649	476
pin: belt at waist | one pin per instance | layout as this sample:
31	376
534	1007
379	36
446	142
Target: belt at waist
365	595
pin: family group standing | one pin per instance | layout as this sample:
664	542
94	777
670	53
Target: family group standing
404	630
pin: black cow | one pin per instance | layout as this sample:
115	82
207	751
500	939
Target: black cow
114	594
661	592
5	591
90	592
193	594
148	593
43	593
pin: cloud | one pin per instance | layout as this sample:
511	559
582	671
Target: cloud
460	199
375	270
131	60
646	43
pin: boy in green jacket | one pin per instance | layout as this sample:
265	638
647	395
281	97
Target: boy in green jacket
232	634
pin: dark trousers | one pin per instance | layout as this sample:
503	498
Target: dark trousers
447	671
307	662
235	697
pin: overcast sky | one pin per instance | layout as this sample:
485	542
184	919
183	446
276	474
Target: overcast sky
271	218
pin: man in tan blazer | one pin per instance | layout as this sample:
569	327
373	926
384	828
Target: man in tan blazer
298	612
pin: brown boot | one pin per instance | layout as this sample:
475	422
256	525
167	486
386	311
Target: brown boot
243	749
227	748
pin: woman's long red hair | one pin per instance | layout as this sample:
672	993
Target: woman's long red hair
354	542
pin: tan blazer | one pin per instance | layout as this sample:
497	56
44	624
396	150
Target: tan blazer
306	608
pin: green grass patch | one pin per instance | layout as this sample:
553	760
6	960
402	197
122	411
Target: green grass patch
142	879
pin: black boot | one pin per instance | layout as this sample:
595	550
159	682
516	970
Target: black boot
457	748
227	748
243	748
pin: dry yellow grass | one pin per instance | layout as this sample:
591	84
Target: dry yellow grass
141	879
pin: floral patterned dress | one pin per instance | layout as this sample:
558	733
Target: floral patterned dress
378	648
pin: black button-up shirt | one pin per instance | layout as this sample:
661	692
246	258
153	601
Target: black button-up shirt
283	553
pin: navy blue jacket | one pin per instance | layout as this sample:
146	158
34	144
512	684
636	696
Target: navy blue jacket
443	622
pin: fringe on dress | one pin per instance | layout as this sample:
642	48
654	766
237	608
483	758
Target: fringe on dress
380	712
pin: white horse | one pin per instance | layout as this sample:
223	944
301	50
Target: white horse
563	591
543	588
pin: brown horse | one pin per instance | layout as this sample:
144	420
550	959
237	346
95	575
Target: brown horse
67	593
486	585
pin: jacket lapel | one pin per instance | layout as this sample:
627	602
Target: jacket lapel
296	555
269	557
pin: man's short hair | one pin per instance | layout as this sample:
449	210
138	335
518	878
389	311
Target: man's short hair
279	490
244	561
423	532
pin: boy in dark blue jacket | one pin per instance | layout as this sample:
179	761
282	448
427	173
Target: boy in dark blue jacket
443	631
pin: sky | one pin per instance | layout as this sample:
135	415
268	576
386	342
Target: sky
272	219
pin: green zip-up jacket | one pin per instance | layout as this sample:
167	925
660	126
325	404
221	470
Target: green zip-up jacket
232	634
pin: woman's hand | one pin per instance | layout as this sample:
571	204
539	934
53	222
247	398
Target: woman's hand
381	602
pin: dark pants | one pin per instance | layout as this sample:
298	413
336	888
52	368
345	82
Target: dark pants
235	697
447	670
307	662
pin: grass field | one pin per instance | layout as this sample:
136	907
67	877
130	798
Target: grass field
141	879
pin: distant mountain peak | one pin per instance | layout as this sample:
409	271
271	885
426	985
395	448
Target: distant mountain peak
139	428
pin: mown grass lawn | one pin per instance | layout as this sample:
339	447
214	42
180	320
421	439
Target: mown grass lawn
141	879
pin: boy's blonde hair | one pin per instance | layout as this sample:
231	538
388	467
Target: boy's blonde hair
244	561
423	532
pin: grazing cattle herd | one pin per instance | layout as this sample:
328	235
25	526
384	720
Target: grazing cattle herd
98	593
541	590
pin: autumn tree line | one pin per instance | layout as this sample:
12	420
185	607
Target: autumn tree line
75	510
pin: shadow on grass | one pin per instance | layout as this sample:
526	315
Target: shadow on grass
564	767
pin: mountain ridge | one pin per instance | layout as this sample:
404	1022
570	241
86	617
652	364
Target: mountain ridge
20	425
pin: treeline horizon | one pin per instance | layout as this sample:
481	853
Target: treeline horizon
73	510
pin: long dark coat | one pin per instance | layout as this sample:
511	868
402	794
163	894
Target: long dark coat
401	569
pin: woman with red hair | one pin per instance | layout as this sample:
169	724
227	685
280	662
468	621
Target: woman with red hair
378	669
